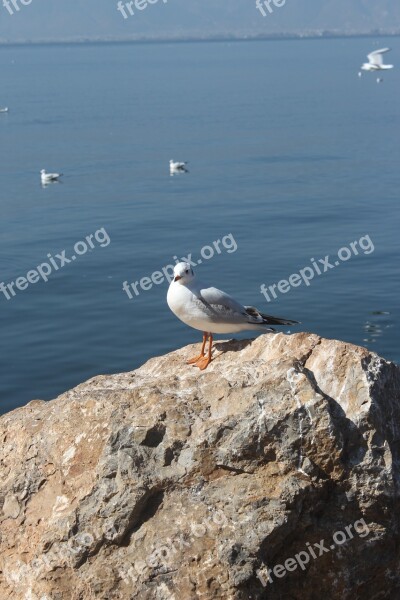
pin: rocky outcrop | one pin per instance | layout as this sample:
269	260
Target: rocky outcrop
273	474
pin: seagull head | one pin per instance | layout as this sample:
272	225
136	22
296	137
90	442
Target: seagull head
183	273
43	171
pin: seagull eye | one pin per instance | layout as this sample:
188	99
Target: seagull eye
186	271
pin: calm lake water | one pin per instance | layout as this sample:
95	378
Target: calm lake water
290	152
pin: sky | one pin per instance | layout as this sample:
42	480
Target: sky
57	20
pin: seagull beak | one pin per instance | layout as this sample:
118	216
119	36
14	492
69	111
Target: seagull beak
177	277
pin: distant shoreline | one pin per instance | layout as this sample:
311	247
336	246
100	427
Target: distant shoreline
314	35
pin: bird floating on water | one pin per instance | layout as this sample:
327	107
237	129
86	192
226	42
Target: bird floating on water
375	61
49	177
210	310
177	167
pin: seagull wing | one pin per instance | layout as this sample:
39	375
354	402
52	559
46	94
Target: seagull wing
223	308
215	297
375	58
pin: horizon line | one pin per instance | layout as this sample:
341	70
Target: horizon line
229	37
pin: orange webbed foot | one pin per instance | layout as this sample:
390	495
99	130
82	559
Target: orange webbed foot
193	361
203	363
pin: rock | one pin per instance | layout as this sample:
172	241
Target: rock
272	474
11	507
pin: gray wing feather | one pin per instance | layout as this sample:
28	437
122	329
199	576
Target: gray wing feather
225	308
217	297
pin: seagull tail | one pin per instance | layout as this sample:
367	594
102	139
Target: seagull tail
268	320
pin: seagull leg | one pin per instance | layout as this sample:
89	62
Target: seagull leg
204	361
192	361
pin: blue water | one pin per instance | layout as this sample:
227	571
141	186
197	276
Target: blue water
290	152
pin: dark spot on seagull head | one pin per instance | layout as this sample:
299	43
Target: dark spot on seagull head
183	272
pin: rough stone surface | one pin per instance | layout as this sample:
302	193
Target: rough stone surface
169	483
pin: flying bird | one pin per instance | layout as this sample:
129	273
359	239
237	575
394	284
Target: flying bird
210	310
375	61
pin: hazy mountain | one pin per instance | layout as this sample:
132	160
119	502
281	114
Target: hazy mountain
100	18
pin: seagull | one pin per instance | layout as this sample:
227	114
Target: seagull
376	61
49	177
210	310
177	167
